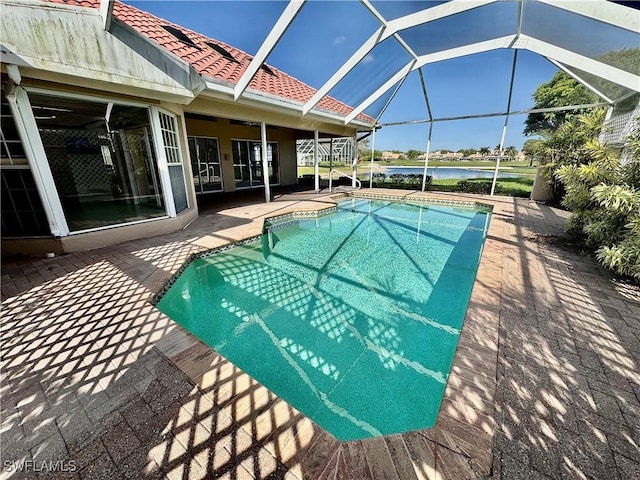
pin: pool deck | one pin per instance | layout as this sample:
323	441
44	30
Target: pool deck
545	381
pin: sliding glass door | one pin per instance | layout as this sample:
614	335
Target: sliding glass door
205	163
248	165
102	160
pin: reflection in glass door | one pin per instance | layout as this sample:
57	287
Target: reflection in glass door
256	164
205	164
247	163
241	164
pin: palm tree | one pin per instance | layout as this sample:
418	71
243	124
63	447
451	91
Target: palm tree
511	151
484	151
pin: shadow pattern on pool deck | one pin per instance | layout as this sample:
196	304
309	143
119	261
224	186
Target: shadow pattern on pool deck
544	384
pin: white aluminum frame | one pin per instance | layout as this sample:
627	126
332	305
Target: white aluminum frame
579	79
431	14
346	67
608	72
485	46
609	12
36	156
276	33
316	161
265	161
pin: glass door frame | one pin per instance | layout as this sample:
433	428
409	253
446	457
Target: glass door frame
200	191
249	142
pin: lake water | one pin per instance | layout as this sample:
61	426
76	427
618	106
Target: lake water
449	172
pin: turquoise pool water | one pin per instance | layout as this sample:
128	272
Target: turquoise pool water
353	318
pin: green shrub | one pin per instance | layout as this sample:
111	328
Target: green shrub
400	180
604	198
467	186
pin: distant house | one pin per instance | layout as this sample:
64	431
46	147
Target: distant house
114	121
439	155
391	155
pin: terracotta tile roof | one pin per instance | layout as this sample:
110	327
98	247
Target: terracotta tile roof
212	64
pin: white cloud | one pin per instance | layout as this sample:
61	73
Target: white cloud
369	59
339	40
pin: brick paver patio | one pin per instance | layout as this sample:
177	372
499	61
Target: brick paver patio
545	381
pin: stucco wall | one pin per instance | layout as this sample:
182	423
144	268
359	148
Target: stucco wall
225	132
71	41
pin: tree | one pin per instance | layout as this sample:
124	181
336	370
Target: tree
484	151
534	150
568	140
467	151
510	151
413	154
561	91
566	145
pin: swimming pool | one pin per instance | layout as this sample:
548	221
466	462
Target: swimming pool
352	317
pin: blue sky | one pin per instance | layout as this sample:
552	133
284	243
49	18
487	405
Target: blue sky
325	34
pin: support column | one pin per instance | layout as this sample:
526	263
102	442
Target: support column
354	164
373	146
495	173
316	161
506	122
265	162
426	158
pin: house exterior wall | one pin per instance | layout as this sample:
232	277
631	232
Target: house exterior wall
208	104
225	132
52	39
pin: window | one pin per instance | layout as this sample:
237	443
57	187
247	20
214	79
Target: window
102	160
22	211
205	163
222	51
267	69
180	35
11	151
169	130
248	166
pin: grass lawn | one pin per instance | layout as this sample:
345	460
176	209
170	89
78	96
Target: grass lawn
511	167
515	187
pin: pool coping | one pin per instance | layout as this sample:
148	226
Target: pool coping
460	444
